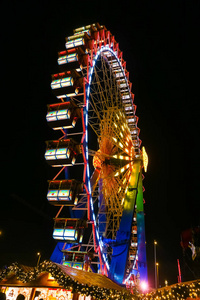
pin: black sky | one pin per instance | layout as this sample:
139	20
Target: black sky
159	41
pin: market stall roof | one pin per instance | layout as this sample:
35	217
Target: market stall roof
89	278
16	271
53	275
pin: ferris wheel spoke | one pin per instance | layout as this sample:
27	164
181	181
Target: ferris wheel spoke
98	89
108	79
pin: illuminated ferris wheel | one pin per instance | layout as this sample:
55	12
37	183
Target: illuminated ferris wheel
98	188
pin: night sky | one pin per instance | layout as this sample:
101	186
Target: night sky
159	41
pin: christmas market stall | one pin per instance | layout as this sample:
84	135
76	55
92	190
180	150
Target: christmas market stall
51	281
189	290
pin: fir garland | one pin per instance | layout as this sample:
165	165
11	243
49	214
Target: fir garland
181	291
66	282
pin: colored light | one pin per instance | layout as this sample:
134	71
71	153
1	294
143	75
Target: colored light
50	154
58	234
96	162
69	264
63	82
62	153
64	195
52	195
70	234
144	286
51	116
78	266
67	58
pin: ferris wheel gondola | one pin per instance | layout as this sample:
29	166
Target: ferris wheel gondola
93	87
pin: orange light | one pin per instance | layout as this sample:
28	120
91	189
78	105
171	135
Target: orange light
96	162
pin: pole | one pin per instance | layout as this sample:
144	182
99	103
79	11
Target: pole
157	282
39	256
155	244
179	271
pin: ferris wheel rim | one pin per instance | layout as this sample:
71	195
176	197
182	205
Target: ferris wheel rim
91	72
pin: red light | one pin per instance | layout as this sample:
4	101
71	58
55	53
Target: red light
71	50
61	74
59	104
62	52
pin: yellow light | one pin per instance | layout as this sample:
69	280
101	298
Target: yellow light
50	277
124	180
114	139
120	144
145	159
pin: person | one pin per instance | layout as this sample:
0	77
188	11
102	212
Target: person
20	297
2	296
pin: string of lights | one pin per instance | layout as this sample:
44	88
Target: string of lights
65	281
183	291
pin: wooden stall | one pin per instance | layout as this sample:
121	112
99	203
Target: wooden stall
51	281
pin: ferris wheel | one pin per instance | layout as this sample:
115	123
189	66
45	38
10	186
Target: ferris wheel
98	188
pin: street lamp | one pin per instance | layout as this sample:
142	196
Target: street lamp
155	244
157	279
39	256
